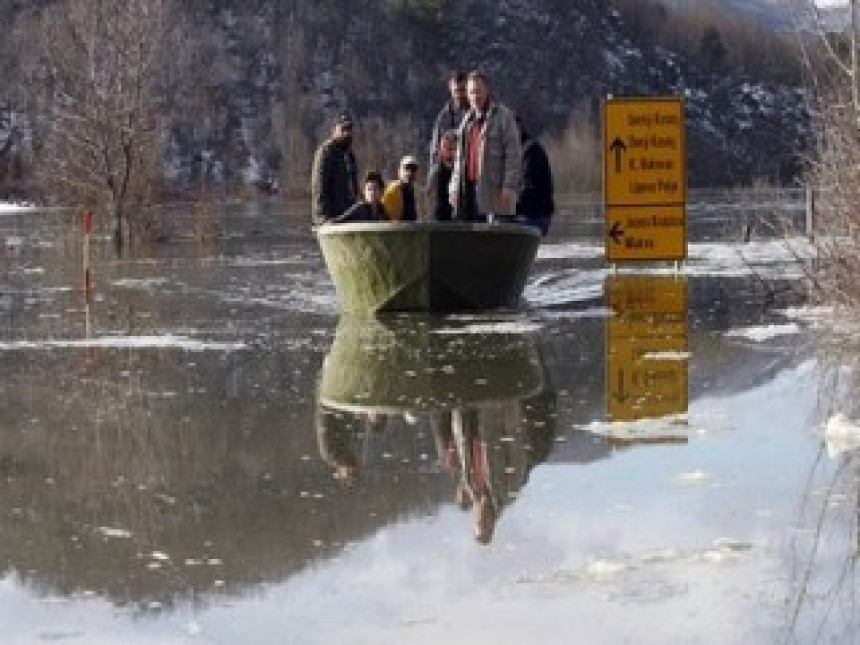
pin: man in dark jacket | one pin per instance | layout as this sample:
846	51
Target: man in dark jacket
439	177
334	176
535	202
451	115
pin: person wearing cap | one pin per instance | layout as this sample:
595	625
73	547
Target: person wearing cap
489	154
334	177
371	209
399	197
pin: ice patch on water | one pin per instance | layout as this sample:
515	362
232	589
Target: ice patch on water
841	435
565	288
124	342
13	207
665	356
593	312
694	477
809	314
507	327
110	532
776	258
764	332
666	429
569	251
626	570
140	283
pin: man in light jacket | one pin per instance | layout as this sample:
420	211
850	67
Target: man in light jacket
487	167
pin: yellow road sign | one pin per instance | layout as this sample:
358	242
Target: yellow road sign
646	347
646	232
644	151
645	179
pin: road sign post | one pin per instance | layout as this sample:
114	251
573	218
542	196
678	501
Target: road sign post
644	179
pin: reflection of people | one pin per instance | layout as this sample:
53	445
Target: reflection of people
492	450
334	176
371	208
493	464
487	167
338	438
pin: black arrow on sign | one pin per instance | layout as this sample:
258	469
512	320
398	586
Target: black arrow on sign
617	146
616	232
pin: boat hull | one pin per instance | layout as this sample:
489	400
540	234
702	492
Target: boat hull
433	267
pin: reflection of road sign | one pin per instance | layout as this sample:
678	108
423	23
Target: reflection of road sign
646	347
644	179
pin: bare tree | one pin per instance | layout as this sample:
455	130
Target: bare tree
829	54
102	62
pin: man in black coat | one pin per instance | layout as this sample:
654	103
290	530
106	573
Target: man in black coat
334	176
535	202
451	115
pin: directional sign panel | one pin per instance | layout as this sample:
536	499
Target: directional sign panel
646	233
644	170
646	347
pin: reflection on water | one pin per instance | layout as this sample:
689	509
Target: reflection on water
204	453
484	398
646	352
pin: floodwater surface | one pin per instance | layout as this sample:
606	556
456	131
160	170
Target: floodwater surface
204	451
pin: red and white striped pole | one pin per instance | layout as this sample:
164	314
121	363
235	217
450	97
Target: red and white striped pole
88	231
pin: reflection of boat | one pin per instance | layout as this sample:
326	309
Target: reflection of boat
428	266
415	365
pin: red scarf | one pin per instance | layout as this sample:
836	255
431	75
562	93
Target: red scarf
473	150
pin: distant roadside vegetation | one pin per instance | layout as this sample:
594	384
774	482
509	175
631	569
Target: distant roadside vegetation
715	38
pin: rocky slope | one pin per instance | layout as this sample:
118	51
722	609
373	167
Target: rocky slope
263	78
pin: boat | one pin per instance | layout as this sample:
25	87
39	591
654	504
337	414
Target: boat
428	266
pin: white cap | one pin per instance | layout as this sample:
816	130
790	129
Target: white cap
408	160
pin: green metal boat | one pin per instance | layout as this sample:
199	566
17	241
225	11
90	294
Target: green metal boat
434	267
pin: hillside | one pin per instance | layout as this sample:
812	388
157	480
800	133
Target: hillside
260	80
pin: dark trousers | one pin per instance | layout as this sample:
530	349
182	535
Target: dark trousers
469	209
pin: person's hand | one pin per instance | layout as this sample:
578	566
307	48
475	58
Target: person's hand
508	197
452	199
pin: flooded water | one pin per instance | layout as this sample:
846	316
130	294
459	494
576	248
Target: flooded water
205	452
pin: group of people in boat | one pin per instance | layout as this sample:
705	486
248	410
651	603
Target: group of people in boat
484	167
